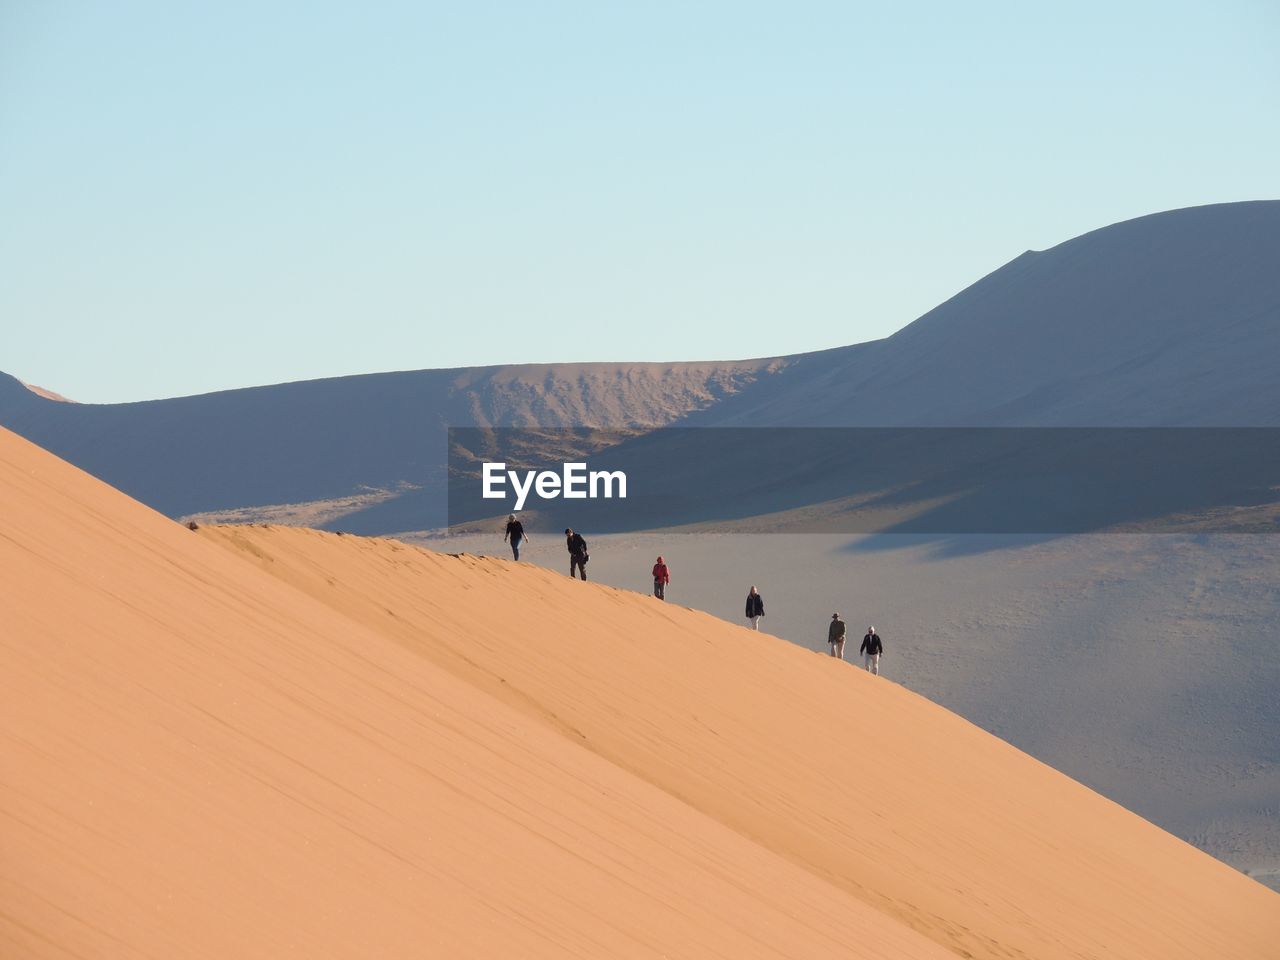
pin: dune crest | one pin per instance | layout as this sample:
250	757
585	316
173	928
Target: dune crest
251	742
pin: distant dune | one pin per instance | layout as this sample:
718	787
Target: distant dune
250	742
305	449
1167	320
1171	319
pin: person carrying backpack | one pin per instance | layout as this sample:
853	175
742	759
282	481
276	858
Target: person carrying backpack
578	555
661	577
871	649
515	533
835	636
755	608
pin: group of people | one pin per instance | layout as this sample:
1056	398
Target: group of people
578	555
871	648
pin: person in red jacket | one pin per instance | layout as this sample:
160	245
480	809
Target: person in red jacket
661	577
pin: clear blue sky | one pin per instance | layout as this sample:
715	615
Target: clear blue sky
201	196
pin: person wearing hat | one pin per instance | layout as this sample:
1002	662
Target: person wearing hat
835	636
661	577
871	649
515	532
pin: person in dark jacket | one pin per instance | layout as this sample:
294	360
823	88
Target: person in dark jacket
835	636
871	649
578	555
515	533
755	608
661	577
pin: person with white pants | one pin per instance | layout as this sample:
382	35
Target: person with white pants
835	636
755	608
871	649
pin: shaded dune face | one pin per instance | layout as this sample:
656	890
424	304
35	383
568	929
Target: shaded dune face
1165	320
301	449
1171	319
255	741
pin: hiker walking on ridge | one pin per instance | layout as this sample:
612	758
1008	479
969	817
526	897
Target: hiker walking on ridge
515	533
871	649
755	608
835	636
661	577
578	555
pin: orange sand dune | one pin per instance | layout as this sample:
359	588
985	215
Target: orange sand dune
323	746
201	761
888	797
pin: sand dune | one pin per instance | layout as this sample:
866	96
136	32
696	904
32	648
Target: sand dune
1164	643
47	394
1165	320
889	798
322	441
201	761
327	746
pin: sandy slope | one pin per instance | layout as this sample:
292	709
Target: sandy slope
200	761
1145	666
891	799
47	394
378	751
